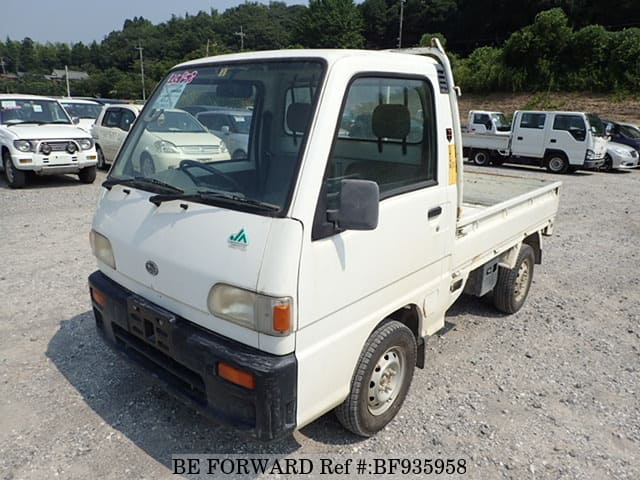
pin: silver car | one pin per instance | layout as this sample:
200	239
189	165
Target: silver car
619	156
233	126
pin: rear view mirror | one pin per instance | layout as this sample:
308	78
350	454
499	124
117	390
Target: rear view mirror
75	120
234	90
359	202
225	129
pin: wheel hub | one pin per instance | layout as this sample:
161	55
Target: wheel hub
522	280
386	381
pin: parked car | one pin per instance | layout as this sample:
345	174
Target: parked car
233	126
86	111
625	133
38	136
171	136
110	130
619	156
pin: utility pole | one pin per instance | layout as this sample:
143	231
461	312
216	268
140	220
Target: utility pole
66	76
241	34
401	17
207	47
139	48
4	72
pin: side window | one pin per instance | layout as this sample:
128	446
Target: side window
574	124
112	118
482	119
533	120
387	134
126	120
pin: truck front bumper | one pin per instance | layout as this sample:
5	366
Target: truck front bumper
55	163
186	362
593	164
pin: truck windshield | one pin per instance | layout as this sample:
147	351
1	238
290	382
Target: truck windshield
38	111
221	131
502	124
595	125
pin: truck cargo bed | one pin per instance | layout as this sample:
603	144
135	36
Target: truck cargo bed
498	210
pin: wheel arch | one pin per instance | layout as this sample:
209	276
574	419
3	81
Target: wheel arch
409	316
535	241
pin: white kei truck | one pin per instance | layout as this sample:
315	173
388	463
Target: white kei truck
269	290
562	142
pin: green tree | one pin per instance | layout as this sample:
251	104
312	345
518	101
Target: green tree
332	24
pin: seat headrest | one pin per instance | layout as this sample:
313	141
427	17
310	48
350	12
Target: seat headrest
391	121
298	116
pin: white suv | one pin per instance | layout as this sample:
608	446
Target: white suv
37	135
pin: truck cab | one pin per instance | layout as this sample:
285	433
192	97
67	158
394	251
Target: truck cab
483	121
268	289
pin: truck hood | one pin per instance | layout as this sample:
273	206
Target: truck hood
47	131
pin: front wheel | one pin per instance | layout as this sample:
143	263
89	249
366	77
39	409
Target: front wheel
15	178
87	174
557	163
513	284
608	164
381	380
102	164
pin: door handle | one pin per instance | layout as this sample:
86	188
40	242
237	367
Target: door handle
434	212
519	138
553	140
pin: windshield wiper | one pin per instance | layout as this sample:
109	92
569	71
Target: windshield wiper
144	183
215	198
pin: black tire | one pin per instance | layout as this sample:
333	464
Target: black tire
102	163
608	164
557	163
377	390
87	174
15	178
147	167
513	284
481	158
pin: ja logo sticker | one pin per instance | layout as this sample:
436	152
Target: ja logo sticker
239	240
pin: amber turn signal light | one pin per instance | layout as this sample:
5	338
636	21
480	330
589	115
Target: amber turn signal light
237	376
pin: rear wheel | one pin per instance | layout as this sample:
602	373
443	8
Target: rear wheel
481	157
15	178
381	380
513	284
87	174
557	163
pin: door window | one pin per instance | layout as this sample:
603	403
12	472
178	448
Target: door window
112	118
386	133
533	120
574	124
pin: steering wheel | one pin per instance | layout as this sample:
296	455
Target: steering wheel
186	164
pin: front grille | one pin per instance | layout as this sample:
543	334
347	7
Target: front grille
185	379
199	149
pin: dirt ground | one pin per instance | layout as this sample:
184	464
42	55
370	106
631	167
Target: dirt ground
622	109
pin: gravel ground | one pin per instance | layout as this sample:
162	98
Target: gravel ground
551	392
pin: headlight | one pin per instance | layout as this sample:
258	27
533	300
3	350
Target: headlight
101	248
621	151
85	143
166	147
45	148
223	147
270	315
23	145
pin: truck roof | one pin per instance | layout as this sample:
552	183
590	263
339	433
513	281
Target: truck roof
330	55
23	96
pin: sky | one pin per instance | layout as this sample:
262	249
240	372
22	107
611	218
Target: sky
72	21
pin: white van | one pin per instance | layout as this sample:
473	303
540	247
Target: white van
560	141
268	290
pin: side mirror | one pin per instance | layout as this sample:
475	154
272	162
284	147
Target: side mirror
75	120
225	129
359	205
